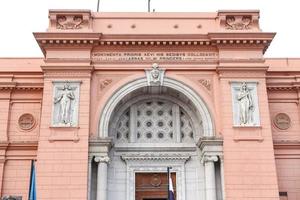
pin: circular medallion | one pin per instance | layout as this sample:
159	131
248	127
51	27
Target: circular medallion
26	121
155	180
282	121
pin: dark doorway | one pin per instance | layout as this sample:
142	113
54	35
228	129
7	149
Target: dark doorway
153	186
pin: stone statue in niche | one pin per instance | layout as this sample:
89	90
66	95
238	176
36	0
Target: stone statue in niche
64	99
246	106
155	75
65	103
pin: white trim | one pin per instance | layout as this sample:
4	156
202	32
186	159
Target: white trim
208	124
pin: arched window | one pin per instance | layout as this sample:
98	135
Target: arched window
152	118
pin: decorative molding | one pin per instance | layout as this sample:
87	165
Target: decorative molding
155	76
155	157
21	86
65	103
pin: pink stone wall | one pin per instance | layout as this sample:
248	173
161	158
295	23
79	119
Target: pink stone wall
288	171
16	178
15	133
250	171
63	152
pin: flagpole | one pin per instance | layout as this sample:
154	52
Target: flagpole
98	5
30	185
168	169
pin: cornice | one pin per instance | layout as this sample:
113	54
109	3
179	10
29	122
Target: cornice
21	86
209	141
88	39
155	157
66	39
283	86
22	146
286	144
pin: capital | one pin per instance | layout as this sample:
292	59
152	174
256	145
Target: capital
210	159
101	159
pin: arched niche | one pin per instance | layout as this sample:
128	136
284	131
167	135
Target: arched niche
124	92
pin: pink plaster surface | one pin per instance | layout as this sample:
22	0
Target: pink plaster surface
259	161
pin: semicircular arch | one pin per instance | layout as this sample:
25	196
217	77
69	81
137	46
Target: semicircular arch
202	108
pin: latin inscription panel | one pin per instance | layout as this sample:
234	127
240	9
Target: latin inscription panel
186	56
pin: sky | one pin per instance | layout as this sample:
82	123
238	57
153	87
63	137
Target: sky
20	18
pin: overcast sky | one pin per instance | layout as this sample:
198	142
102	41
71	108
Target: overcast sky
22	17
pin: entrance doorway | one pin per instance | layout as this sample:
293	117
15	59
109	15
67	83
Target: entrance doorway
153	186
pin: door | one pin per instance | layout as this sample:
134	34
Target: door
153	186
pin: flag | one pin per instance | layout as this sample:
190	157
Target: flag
170	187
32	189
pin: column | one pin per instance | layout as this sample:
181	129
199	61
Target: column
210	179
89	175
102	177
222	176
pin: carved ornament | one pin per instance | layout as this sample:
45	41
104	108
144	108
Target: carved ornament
105	83
238	22
206	83
155	180
26	122
210	158
65	103
282	121
155	76
102	159
66	22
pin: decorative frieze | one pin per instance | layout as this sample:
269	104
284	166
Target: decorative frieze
245	104
155	156
69	20
65	103
238	22
66	22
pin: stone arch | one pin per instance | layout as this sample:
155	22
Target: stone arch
202	108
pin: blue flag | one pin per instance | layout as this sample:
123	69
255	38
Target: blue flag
171	190
32	189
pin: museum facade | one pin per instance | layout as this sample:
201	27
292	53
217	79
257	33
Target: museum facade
119	97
